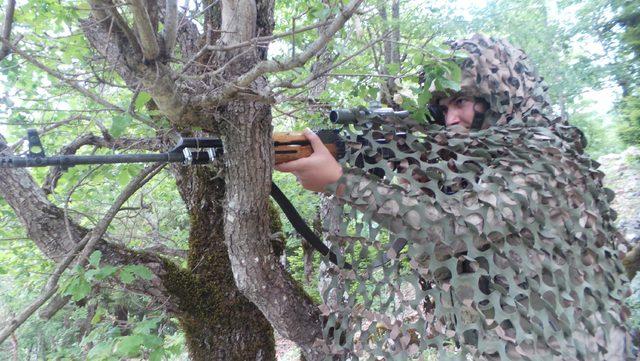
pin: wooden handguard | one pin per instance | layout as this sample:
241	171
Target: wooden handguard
290	146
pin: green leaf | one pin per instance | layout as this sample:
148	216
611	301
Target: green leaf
78	288
123	178
98	315
119	124
393	68
126	276
101	273
141	271
129	345
94	259
456	72
101	351
156	355
129	273
145	326
423	98
142	100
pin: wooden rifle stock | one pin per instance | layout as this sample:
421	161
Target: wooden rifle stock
290	146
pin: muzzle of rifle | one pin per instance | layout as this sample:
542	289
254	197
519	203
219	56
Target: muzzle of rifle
355	116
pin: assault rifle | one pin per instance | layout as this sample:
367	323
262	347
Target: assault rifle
288	146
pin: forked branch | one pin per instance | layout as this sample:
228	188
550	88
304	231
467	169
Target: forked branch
272	66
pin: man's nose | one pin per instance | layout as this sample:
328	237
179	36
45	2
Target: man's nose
452	118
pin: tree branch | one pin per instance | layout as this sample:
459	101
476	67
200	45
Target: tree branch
72	83
170	26
255	42
6	28
48	128
148	41
323	72
271	66
103	10
46	226
157	80
84	248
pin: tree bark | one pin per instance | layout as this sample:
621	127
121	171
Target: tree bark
257	271
219	322
391	50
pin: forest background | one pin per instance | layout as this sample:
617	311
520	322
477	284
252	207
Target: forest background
588	52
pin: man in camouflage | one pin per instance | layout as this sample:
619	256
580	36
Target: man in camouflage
509	253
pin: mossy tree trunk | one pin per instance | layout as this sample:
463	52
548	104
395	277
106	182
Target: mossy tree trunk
218	321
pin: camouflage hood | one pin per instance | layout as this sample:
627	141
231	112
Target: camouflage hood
501	74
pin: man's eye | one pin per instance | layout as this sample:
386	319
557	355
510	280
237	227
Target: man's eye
460	101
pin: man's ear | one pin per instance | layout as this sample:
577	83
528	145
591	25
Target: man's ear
480	105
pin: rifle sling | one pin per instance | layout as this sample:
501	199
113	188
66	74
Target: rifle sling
303	229
299	224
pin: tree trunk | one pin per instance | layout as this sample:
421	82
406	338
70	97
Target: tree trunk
247	145
218	321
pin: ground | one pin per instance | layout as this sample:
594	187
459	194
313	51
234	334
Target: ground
622	175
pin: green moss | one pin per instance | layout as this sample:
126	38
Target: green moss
218	321
275	227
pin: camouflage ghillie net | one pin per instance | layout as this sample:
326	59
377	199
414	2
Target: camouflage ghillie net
504	247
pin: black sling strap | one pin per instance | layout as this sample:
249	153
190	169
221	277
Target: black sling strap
301	227
299	224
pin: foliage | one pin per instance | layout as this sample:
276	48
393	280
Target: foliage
629	127
601	137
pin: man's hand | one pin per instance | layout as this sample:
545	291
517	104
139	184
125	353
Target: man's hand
316	171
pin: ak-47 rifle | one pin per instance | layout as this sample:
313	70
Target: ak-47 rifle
188	151
288	146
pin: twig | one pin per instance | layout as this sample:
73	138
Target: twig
363	75
14	344
72	83
132	104
262	40
323	72
15	239
84	247
49	127
222	68
164	250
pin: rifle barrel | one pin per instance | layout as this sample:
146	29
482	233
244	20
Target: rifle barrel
350	116
71	160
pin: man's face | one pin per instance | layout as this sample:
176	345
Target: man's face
459	110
